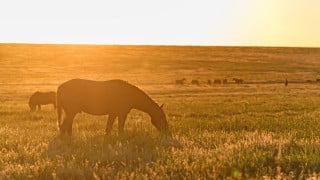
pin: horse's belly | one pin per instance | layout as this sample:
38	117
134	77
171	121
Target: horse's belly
105	108
95	112
96	109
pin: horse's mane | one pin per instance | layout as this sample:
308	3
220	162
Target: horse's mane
120	81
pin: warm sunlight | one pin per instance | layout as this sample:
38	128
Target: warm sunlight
167	89
179	22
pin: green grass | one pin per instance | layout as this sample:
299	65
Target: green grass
235	131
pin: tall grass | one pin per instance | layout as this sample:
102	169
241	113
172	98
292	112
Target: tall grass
213	137
233	131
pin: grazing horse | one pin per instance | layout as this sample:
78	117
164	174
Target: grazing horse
217	81
196	82
225	81
180	81
42	98
114	98
238	81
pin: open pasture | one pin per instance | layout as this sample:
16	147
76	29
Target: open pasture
259	129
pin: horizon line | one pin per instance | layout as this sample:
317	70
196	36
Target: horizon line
164	45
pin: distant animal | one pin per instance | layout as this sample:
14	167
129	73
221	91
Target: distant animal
114	98
42	98
209	82
238	81
286	82
195	82
225	81
217	81
180	81
318	80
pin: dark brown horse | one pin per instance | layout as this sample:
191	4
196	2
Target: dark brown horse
217	81
114	98
238	81
224	81
42	98
180	81
195	82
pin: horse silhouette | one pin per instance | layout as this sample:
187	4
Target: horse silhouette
238	81
224	81
180	81
42	98
195	82
217	81
114	98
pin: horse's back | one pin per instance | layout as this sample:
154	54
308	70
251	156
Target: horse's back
43	97
78	87
95	97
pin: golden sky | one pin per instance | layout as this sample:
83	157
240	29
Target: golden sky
169	22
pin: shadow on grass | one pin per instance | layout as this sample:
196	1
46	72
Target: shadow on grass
132	150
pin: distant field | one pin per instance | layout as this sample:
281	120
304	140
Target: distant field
259	129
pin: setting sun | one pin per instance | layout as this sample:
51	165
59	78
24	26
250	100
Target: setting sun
180	22
170	89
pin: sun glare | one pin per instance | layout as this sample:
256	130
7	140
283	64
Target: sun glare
190	22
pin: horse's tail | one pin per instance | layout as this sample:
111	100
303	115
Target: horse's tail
59	109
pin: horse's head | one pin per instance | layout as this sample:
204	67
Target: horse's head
32	106
159	120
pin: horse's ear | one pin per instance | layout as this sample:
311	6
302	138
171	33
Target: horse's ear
161	106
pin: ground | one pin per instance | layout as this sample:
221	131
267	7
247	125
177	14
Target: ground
259	129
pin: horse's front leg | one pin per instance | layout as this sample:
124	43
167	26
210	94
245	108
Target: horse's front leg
121	120
110	122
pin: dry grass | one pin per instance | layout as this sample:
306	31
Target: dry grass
240	131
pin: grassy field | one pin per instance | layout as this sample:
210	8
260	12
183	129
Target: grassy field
259	129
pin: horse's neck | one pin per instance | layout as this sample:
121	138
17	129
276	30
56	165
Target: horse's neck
146	105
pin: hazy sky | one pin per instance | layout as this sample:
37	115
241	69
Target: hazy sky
181	22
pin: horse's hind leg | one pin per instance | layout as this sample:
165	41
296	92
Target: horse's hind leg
66	126
110	122
121	120
70	122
